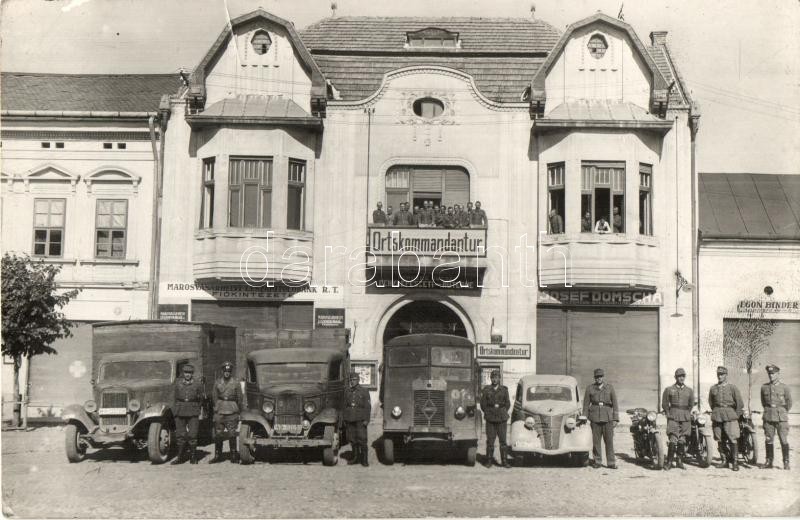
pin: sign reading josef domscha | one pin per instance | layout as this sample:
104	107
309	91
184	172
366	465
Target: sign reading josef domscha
173	312
504	350
329	318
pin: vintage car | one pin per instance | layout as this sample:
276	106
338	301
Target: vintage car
134	368
428	394
294	400
547	419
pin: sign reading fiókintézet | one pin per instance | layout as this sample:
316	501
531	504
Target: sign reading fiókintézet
426	241
503	350
768	306
616	297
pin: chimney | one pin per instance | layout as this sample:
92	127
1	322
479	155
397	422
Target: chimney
658	37
533	11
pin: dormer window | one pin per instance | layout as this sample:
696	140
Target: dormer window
597	46
261	42
433	37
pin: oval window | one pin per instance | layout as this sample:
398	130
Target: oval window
597	46
428	108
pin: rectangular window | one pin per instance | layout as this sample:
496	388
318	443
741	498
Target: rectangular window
59	145
645	199
555	198
48	227
250	195
603	193
45	145
122	146
107	146
111	225
295	210
207	197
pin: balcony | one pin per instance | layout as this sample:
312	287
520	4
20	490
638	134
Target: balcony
599	260
237	255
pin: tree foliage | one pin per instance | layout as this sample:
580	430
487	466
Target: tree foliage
31	308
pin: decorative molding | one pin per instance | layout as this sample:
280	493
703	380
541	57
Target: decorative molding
108	261
67	135
111	175
422	125
49	173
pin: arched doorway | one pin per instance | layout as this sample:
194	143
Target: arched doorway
419	317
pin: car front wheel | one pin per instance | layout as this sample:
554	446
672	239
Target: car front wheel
247	450
388	451
159	442
76	449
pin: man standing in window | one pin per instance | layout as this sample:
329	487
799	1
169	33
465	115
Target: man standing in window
602	226
378	216
726	407
556	223
601	408
617	221
494	405
586	223
356	415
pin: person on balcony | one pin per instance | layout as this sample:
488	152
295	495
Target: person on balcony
449	220
463	217
438	217
586	223
478	217
403	216
389	215
470	209
426	214
378	215
602	226
617	220
556	223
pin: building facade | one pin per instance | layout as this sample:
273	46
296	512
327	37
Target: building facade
280	145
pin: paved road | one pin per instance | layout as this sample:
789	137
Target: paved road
38	482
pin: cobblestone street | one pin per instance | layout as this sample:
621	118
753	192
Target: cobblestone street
38	482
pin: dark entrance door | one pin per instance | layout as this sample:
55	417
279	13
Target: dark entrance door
424	317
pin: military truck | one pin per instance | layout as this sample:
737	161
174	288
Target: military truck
134	368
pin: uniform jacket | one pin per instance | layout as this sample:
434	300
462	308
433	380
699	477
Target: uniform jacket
777	401
677	402
403	218
188	398
556	224
357	404
592	407
495	403
227	396
378	216
463	219
477	217
726	402
426	216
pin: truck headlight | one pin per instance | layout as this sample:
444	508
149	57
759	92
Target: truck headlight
134	405
701	421
310	407
90	406
396	412
745	415
651	416
529	423
306	424
460	412
570	423
268	407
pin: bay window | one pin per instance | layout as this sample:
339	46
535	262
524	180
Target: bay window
250	192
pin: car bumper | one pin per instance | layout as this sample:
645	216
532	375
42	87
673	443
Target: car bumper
523	440
282	442
97	437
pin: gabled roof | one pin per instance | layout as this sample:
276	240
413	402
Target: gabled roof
318	86
749	206
538	84
364	34
85	92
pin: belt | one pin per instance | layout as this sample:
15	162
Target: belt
189	400
680	407
603	404
224	399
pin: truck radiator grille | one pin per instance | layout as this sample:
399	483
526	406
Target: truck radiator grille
549	428
114	420
289	404
114	400
429	408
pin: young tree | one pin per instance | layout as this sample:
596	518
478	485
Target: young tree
31	312
745	340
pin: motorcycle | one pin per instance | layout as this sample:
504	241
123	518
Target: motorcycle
700	440
647	440
749	442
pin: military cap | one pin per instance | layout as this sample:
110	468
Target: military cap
495	372
188	368
598	372
722	370
772	369
354	375
227	366
680	372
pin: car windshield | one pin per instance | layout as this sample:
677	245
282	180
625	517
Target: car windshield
549	393
270	373
408	356
450	357
136	370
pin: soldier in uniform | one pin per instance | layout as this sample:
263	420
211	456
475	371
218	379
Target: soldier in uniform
378	216
495	404
677	403
357	411
189	397
227	403
478	217
601	408
777	401
726	407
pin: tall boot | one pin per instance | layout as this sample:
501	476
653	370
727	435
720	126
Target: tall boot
234	451
723	454
734	455
785	452
356	456
192	454
489	456
679	456
217	453
770	449
504	457
670	455
364	451
180	457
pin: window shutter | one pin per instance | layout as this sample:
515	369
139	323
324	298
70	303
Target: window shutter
429	181
297	316
456	187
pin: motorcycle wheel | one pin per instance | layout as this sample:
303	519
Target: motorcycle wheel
657	449
750	448
703	454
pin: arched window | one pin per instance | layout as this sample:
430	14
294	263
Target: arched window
447	185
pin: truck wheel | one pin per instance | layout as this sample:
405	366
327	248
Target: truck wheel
388	451
76	449
159	443
472	453
329	457
657	450
246	451
579	459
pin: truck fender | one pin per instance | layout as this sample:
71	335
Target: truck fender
326	416
75	414
152	412
254	417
